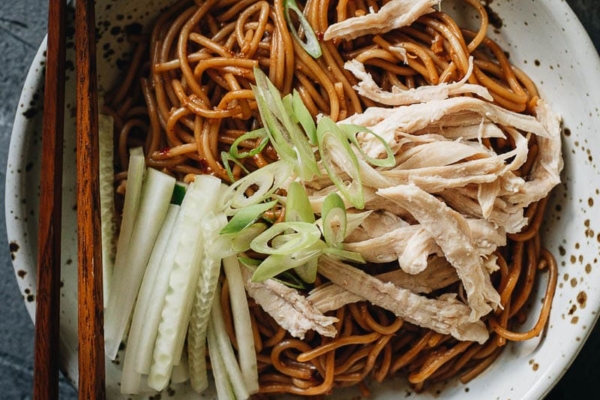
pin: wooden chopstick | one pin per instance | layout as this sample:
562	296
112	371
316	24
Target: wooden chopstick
90	302
47	316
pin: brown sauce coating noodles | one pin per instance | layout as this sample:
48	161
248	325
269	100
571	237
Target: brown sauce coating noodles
187	97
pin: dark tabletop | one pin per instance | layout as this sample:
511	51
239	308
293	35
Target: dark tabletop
22	28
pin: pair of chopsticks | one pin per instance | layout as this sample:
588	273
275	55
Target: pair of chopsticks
90	303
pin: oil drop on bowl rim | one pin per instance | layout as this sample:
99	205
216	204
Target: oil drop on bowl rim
544	39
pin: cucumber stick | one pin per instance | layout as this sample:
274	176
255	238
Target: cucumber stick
216	247
156	303
222	383
201	199
135	177
242	323
155	198
224	351
131	379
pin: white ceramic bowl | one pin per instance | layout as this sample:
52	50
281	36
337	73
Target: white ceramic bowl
544	38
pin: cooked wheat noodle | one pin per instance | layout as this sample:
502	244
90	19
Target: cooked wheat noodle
546	305
436	360
362	339
527	280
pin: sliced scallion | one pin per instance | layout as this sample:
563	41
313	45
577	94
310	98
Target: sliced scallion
336	153
345	255
308	271
297	205
311	46
246	217
240	242
286	238
298	208
352	130
284	277
252	135
263	182
286	136
225	159
334	220
303	116
275	264
274	126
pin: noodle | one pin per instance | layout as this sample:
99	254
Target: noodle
195	100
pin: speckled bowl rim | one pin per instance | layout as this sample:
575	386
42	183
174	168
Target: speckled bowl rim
22	257
23	245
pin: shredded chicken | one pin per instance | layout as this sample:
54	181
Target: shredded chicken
452	233
478	129
458	120
389	123
375	224
411	245
445	315
375	202
507	216
387	247
372	201
289	308
398	97
546	171
413	259
438	153
393	15
449	197
487	193
438	274
436	179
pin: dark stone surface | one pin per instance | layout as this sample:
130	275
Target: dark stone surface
22	28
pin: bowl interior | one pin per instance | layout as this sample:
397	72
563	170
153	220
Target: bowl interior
544	39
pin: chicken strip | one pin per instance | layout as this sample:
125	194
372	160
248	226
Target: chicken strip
546	171
393	15
288	308
398	97
438	274
445	315
452	233
388	123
